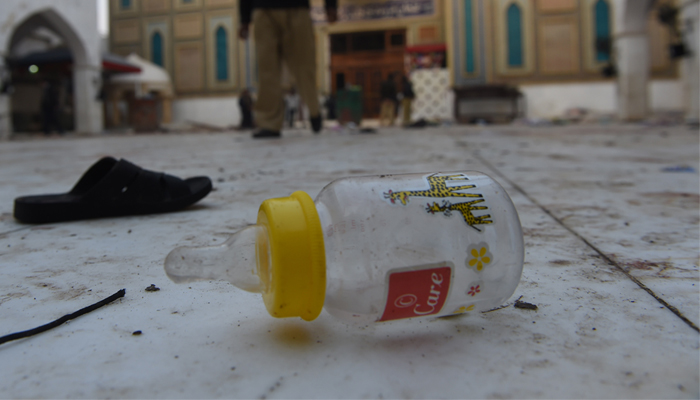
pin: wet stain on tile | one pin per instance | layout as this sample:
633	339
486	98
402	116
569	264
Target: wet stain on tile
662	269
562	157
14	295
675	199
663	238
560	262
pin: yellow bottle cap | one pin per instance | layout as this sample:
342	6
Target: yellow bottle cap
291	257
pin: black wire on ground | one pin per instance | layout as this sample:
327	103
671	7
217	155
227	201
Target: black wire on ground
60	321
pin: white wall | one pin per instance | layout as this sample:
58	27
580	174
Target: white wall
543	101
552	100
666	95
218	111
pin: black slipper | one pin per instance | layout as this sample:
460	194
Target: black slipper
266	134
112	188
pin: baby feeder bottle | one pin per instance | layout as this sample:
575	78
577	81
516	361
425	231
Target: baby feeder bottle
373	248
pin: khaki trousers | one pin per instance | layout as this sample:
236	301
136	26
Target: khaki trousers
284	35
406	103
387	114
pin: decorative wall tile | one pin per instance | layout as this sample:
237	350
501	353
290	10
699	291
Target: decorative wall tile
558	45
155	6
188	26
189	68
432	87
126	31
556	6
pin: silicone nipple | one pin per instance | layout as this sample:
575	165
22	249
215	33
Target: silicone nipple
234	261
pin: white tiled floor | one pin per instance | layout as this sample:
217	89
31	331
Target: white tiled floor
611	261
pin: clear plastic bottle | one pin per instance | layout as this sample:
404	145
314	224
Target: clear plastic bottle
374	248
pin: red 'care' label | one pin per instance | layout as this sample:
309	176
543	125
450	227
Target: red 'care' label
417	292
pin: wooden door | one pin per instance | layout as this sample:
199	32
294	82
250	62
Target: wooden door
366	59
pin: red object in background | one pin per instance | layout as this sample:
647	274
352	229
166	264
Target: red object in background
427	48
113	66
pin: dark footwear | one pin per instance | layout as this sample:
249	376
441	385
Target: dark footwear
112	188
316	124
266	134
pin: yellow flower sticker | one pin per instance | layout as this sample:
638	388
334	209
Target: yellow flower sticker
478	256
463	309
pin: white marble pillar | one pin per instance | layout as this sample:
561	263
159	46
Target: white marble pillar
633	76
690	26
632	55
5	114
88	110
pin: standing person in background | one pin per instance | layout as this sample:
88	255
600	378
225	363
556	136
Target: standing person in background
50	108
245	102
407	100
283	31
330	107
387	113
291	101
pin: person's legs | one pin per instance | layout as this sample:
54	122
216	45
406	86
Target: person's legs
57	122
392	112
247	121
388	113
299	52
45	121
406	111
292	111
383	113
269	108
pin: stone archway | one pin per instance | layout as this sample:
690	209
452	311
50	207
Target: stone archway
86	66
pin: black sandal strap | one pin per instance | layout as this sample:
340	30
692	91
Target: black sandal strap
129	183
113	183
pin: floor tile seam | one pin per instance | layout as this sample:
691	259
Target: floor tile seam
15	230
604	256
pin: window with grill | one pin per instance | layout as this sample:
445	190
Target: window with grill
368	41
515	36
602	31
339	44
157	49
221	54
397	39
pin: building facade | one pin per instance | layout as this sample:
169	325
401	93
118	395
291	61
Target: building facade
194	40
555	51
543	41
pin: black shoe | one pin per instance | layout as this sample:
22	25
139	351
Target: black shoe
266	134
316	124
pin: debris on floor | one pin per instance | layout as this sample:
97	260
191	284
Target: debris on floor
525	306
152	288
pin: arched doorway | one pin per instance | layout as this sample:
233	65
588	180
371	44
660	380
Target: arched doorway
63	59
